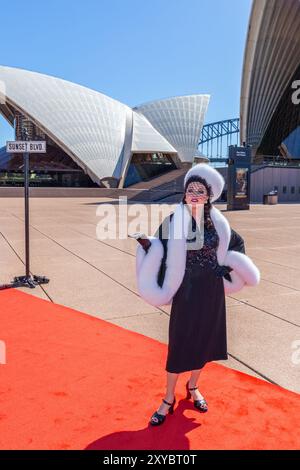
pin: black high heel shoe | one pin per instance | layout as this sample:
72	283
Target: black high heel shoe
157	418
201	405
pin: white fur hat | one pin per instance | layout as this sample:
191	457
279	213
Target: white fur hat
212	176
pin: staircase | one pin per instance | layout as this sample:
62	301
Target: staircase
164	188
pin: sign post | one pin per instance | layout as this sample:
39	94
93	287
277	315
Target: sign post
238	179
26	147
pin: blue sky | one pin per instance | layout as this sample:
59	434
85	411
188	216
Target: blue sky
131	50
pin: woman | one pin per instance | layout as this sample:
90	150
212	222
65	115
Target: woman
193	261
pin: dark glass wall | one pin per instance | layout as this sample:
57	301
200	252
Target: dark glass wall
54	168
145	166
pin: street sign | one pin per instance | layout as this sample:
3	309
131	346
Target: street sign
26	146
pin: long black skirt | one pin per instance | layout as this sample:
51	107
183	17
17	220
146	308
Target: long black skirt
197	327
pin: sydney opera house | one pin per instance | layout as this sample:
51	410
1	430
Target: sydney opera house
92	139
95	140
270	94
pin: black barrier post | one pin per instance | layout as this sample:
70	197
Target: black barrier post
26	204
27	280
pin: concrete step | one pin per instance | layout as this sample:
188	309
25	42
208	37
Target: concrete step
166	180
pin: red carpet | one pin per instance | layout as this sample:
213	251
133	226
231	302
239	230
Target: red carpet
74	382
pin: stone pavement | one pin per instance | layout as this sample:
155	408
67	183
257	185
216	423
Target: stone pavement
98	277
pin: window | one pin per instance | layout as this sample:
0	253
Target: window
284	189
292	189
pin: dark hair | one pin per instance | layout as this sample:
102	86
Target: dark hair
208	205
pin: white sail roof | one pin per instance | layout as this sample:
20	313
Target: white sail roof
98	132
179	120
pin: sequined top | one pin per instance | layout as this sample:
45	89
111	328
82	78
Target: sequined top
206	256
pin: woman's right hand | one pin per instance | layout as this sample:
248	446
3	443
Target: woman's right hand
142	239
145	242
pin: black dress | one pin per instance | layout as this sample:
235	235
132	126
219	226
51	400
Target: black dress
197	327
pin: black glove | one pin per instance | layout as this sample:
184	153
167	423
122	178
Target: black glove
222	270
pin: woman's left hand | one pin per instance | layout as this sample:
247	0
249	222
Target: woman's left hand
222	270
